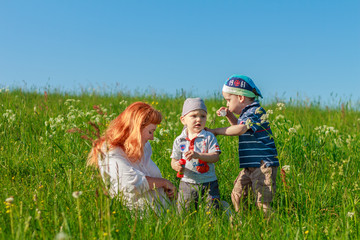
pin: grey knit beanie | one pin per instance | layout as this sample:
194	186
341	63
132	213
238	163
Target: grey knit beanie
192	104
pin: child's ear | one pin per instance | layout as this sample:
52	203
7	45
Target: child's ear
241	98
182	120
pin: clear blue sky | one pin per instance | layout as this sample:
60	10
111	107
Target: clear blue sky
308	47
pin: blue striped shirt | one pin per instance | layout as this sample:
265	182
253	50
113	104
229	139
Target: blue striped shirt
257	144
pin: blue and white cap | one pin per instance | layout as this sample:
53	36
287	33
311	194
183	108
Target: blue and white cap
241	85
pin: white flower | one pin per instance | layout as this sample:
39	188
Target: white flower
248	123
264	118
156	140
286	168
222	121
61	236
350	214
9	200
278	117
292	130
270	111
76	194
258	111
280	106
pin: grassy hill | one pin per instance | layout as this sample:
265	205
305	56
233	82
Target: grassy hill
45	139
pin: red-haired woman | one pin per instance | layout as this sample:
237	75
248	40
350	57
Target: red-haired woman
123	156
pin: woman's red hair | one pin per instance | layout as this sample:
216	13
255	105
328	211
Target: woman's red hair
125	132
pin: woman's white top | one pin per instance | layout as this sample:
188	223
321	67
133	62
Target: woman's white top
127	180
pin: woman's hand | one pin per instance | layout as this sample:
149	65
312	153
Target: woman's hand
169	189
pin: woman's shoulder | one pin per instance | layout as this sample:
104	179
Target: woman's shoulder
113	153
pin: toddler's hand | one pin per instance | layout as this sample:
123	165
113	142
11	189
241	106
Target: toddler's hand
177	166
191	154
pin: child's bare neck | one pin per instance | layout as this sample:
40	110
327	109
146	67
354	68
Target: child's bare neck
191	135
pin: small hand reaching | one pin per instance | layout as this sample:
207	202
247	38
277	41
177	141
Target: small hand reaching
191	154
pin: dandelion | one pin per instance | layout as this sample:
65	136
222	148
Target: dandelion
307	232
76	194
223	113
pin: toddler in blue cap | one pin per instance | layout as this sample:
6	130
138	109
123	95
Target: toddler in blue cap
257	150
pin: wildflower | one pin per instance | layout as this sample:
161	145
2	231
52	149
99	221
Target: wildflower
264	117
156	140
248	123
280	106
76	194
292	130
350	214
278	117
286	168
222	121
258	111
61	236
307	232
270	111
9	200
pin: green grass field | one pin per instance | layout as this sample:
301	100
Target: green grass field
45	139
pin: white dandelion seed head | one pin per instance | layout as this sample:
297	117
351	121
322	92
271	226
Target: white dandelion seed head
9	199
223	113
76	194
286	168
